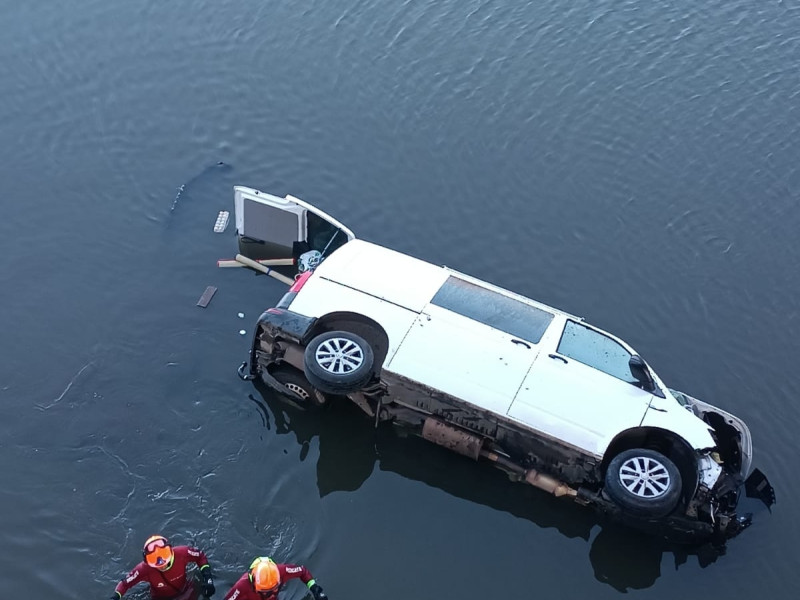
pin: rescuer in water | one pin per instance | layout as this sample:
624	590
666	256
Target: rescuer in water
164	570
265	578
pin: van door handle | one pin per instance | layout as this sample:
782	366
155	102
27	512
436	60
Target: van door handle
557	357
521	343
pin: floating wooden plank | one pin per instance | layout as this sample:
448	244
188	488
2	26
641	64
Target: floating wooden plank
206	297
266	270
267	262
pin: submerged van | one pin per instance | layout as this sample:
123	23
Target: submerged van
551	399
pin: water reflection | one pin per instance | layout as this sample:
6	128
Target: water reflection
350	448
627	560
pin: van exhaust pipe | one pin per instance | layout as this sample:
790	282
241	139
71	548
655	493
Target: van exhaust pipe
471	445
532	476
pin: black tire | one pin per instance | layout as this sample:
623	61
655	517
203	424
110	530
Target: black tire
299	387
644	483
338	362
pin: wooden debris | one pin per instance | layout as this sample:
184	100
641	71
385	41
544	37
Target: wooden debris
266	270
206	297
267	262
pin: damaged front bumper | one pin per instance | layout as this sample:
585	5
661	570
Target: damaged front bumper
725	471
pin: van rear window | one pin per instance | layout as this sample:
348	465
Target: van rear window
496	310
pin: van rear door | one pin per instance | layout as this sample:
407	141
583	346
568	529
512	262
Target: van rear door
269	226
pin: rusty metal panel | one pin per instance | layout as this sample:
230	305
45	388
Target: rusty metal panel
452	438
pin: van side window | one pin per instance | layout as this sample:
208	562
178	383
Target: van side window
495	310
596	350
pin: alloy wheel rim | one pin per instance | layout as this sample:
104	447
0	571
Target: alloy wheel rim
339	356
644	477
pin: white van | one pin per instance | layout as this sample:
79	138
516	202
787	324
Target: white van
552	400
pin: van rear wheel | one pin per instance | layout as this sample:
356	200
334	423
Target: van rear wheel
338	362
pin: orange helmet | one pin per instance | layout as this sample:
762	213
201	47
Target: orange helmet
158	553
264	575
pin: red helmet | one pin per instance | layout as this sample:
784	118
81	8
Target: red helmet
264	575
158	553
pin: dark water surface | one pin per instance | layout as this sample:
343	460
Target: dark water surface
633	162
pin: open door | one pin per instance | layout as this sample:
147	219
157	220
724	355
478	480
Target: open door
269	227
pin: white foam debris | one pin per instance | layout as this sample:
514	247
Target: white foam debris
222	221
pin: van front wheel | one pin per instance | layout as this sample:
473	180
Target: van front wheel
338	362
643	482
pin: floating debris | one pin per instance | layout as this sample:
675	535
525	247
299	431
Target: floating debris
206	297
268	262
222	221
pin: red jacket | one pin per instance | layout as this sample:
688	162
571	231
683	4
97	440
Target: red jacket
244	590
169	583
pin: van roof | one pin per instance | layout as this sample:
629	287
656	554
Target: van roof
387	274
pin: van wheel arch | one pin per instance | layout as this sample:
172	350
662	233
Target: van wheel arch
356	323
338	362
670	444
643	483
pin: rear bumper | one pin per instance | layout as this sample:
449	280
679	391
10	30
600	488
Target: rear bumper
274	325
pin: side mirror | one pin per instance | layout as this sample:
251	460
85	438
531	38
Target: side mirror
642	375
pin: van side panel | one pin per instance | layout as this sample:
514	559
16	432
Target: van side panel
384	273
320	297
463	359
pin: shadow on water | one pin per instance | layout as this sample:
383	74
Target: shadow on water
350	448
